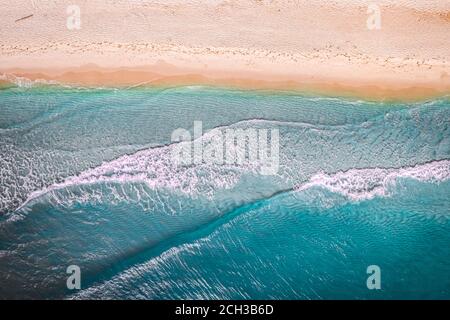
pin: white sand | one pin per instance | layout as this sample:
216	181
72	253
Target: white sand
301	44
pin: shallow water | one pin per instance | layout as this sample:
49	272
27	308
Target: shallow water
87	178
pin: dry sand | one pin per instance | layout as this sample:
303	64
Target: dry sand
316	46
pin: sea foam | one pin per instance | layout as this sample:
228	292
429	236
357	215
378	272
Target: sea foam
364	184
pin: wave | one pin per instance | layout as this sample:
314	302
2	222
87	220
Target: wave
365	184
27	83
23	82
153	167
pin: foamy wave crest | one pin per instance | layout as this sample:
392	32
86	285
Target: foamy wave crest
129	177
365	184
23	82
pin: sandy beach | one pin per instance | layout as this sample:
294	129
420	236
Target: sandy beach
312	46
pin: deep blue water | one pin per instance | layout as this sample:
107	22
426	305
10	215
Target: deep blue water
86	179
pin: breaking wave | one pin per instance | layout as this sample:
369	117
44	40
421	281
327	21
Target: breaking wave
364	184
23	82
148	169
154	169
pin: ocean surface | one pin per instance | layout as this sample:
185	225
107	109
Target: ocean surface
87	179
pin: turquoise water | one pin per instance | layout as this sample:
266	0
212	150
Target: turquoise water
87	179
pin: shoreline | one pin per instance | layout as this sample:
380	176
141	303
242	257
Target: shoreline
127	78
